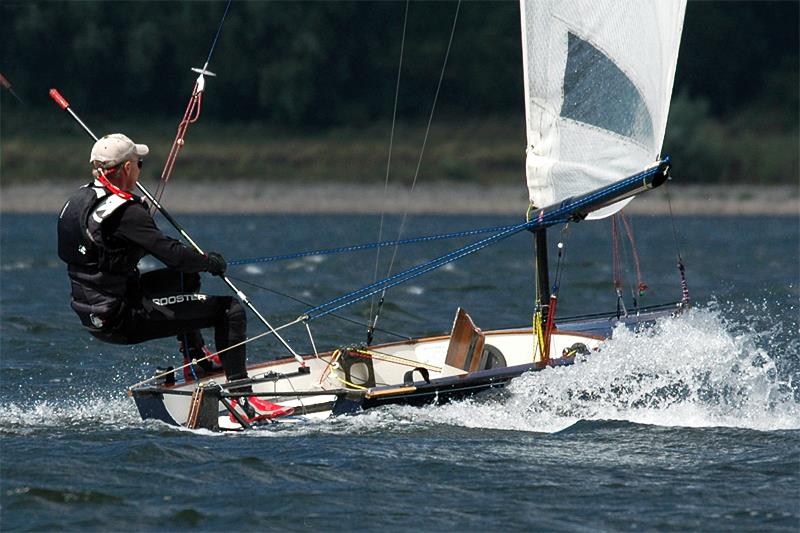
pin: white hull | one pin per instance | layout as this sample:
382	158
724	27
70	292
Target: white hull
411	372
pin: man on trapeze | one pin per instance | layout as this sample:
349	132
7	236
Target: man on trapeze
103	232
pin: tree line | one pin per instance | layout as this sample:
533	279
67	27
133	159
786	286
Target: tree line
315	65
327	63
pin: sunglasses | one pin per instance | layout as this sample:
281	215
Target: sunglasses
139	163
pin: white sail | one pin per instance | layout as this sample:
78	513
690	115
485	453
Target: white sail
598	81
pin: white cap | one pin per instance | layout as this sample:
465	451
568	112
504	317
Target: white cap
116	148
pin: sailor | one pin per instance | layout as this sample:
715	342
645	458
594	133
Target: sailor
103	232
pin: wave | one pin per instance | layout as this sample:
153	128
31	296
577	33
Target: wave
710	367
697	370
85	411
30	264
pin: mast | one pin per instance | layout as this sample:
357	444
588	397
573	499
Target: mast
545	302
542	274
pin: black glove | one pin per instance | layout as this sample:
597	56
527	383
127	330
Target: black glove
216	263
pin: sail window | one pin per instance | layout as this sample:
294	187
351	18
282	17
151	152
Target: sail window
597	92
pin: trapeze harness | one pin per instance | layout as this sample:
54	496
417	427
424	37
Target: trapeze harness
99	273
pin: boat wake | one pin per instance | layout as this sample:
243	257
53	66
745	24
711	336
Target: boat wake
697	370
701	369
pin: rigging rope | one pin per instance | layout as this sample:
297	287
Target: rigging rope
369	246
536	318
681	268
618	243
617	266
561	259
641	286
411	273
391	358
545	331
298	300
388	165
419	160
190	115
208	356
567	211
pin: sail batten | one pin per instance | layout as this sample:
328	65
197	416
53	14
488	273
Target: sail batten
598	82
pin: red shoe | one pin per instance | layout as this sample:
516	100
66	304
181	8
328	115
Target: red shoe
215	360
269	409
254	409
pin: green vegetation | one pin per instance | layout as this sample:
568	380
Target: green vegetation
486	151
742	149
305	89
704	149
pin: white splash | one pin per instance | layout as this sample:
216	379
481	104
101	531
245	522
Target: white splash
254	269
90	412
18	265
307	264
696	370
690	371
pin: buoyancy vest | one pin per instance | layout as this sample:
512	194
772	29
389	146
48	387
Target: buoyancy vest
100	270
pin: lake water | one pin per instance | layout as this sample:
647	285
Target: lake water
693	425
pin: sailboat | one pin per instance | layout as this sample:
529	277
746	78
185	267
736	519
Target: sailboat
598	79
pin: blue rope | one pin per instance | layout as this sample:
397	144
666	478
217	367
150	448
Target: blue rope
562	214
368	246
186	337
411	273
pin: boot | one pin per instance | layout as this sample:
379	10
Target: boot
211	365
203	368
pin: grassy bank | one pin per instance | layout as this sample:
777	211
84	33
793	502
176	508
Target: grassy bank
435	198
37	145
474	151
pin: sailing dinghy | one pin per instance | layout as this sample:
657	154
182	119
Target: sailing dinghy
598	78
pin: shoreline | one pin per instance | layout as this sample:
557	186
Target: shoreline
241	197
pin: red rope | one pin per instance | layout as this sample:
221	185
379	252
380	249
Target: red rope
684	285
548	328
616	256
641	286
190	116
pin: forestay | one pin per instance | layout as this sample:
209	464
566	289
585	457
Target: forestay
598	80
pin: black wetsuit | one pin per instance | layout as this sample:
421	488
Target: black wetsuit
102	237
